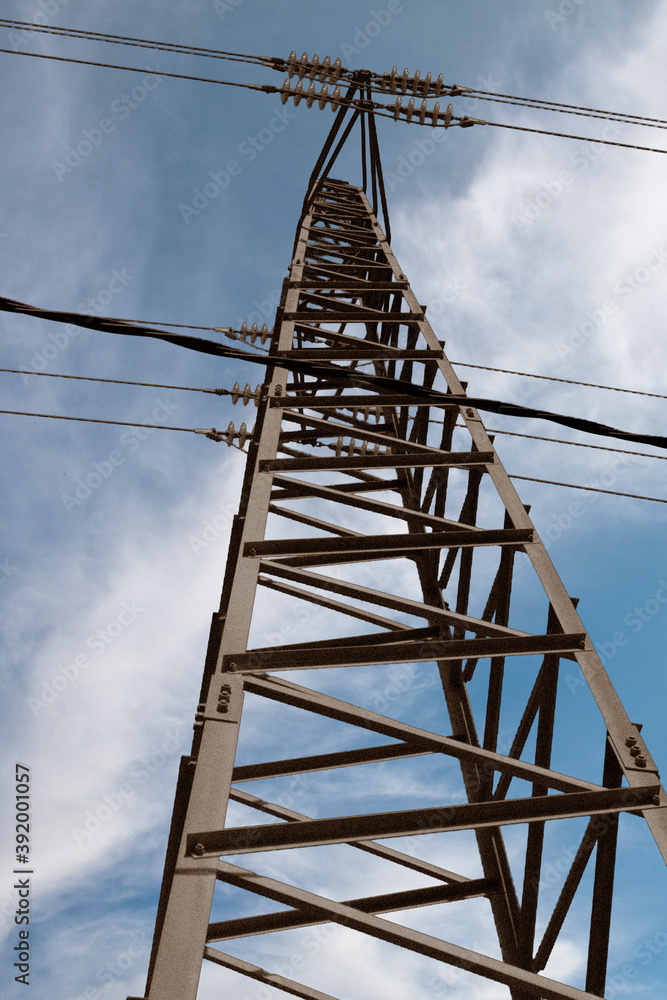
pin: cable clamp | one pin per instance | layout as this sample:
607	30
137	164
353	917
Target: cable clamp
210	432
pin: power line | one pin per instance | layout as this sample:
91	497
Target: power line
230	392
115	381
567	135
275	62
265	88
574	444
590	489
219	436
557	105
544	106
97	36
92	420
210	432
417	395
366	106
552	378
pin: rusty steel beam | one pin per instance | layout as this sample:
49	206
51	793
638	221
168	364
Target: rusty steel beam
268	923
414	822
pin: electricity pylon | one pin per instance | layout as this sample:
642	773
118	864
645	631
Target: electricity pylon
367	460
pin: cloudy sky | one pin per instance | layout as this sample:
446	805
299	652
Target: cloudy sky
534	253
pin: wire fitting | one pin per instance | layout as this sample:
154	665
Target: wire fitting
230	436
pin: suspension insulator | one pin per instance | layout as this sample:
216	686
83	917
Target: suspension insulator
311	95
336	71
422	112
404	81
409	111
285	91
324	69
415	82
303	65
339	447
236	392
243	435
392	80
397	108
298	92
449	111
435	113
438	85
291	64
265	334
315	67
324	94
426	85
335	99
229	434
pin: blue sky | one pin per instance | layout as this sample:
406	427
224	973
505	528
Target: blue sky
533	253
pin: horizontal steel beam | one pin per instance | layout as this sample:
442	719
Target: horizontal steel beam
392	460
415	651
366	351
391	902
405	542
415	822
299	400
366	846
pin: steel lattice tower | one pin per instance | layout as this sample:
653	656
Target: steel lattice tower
367	460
